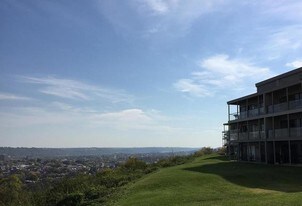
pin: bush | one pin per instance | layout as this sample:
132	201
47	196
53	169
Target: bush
135	164
204	151
74	199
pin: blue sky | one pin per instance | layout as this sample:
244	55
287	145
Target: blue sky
138	72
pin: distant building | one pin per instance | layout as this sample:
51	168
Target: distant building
4	157
267	126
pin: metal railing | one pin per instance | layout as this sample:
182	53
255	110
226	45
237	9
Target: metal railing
253	113
280	107
270	109
243	135
278	133
295	104
281	133
254	135
233	135
295	131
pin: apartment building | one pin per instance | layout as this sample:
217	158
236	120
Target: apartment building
267	126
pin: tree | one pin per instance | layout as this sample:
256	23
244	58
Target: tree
135	164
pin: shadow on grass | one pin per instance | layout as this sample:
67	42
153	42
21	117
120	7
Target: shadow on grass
270	177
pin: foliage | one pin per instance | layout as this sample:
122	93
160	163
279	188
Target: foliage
11	192
221	151
80	189
204	151
173	161
134	164
74	199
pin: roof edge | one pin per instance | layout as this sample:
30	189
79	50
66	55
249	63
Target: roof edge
243	98
279	76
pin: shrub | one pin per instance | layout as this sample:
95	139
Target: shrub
135	164
204	151
74	199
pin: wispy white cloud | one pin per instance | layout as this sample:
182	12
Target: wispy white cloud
191	87
282	9
73	89
62	114
166	17
219	73
295	64
159	7
8	96
284	40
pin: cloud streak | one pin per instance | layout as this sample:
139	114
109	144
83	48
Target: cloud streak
173	17
8	96
76	90
295	64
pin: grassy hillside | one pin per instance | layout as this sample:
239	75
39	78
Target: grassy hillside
212	180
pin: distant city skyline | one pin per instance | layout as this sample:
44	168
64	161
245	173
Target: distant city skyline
137	73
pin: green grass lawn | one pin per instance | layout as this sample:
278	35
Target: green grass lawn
212	180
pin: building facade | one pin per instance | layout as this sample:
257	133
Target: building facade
267	126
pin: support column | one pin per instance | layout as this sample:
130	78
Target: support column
248	151
273	102
259	135
273	122
258	105
274	149
264	103
288	129
289	152
229	112
265	147
238	152
248	130
259	144
228	138
287	98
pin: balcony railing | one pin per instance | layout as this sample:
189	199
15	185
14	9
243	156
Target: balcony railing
277	107
257	135
243	136
295	104
295	131
278	133
253	113
233	135
254	135
280	107
242	115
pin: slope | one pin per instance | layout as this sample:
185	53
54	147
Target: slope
212	180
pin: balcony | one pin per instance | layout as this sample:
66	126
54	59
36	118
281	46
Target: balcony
280	107
254	135
295	104
278	133
277	107
243	136
257	135
295	131
233	135
242	115
253	113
